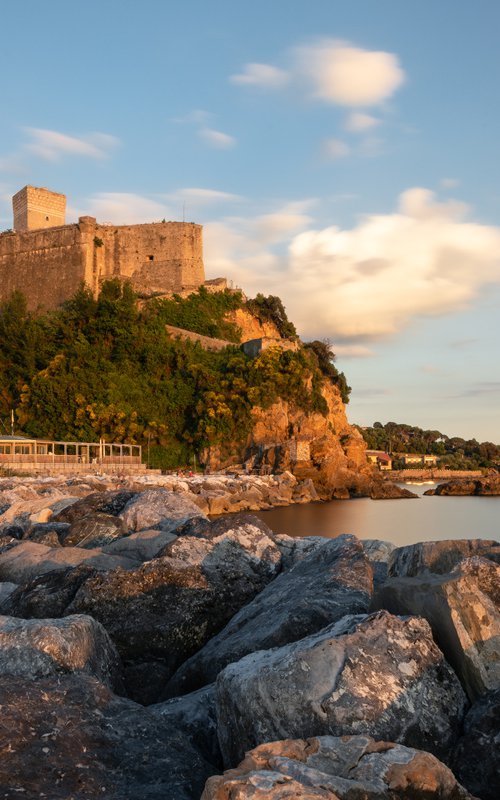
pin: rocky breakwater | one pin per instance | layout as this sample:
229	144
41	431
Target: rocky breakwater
25	502
165	648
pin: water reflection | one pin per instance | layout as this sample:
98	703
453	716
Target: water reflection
399	521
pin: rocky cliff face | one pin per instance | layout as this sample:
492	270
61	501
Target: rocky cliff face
251	327
324	448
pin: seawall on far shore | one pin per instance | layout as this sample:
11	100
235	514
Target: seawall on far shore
431	474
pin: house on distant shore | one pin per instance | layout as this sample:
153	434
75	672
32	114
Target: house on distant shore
421	459
380	458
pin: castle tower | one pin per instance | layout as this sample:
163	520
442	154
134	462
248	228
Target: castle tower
36	208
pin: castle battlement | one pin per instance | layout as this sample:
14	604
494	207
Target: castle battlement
48	260
36	207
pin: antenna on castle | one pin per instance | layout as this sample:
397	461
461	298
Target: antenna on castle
184	211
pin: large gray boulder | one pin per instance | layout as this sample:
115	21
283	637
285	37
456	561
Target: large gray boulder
346	768
6	589
158	508
438	557
94	530
27	560
141	546
376	675
48	533
70	737
161	613
476	761
331	581
379	554
203	528
46	596
463	609
194	715
106	502
36	648
294	549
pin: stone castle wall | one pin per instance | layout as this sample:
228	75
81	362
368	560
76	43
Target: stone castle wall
48	265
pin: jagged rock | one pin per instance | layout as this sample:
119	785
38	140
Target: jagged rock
376	675
158	508
194	715
37	648
294	549
141	546
106	502
27	559
347	768
328	583
61	504
94	530
463	609
455	488
476	761
378	553
48	595
7	543
169	607
203	528
488	486
439	557
6	589
265	785
47	537
70	737
48	533
385	490
13	531
305	492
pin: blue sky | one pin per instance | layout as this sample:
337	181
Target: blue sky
342	155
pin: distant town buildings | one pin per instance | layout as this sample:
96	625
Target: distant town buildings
380	458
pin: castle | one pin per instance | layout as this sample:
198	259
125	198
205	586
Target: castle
48	260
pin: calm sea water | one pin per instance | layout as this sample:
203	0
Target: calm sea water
398	521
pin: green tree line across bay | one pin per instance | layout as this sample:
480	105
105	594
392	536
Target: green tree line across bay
453	451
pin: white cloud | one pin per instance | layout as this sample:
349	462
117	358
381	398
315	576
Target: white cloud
262	75
449	183
353	351
355	285
349	76
197	116
335	148
53	145
222	141
199	196
122	208
358	122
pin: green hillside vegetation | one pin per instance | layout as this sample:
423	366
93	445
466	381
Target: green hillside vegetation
107	368
453	452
